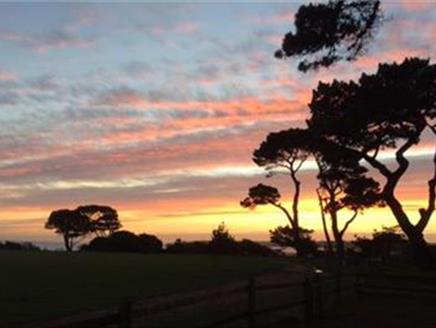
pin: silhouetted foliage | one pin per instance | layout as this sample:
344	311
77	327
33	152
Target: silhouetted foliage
185	247
382	244
23	246
221	243
327	33
386	110
249	247
125	241
221	234
261	195
284	236
150	243
71	224
284	150
343	185
103	218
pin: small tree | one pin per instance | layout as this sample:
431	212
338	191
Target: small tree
268	195
282	152
285	236
343	185
104	219
221	233
71	224
222	242
327	33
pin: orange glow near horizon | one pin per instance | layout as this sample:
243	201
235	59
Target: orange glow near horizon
243	223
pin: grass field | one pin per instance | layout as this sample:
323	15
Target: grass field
39	285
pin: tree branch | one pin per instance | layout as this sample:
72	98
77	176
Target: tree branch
348	223
399	155
324	224
299	165
288	215
427	212
296	198
376	164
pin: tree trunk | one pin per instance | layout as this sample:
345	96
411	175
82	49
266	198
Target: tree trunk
298	248
327	236
296	227
67	243
339	243
340	248
324	226
421	253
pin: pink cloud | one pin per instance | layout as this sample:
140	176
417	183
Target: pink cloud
187	28
416	5
7	76
44	43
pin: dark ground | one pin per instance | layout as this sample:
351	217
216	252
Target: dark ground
40	285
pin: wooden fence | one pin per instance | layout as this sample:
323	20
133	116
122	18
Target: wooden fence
315	289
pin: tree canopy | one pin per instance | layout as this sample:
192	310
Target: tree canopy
395	104
103	218
261	195
283	150
327	33
71	224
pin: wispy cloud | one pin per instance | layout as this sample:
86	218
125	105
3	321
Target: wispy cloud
42	43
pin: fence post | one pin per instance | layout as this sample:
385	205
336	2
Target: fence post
251	302
318	294
308	297
125	314
338	287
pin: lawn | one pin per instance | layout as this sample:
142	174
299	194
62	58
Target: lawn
39	285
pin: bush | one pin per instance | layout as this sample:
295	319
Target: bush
220	247
11	245
184	247
125	241
388	242
248	247
284	236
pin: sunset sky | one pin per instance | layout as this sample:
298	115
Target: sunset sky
155	110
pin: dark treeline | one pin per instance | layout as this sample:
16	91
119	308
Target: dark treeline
384	245
22	246
221	243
